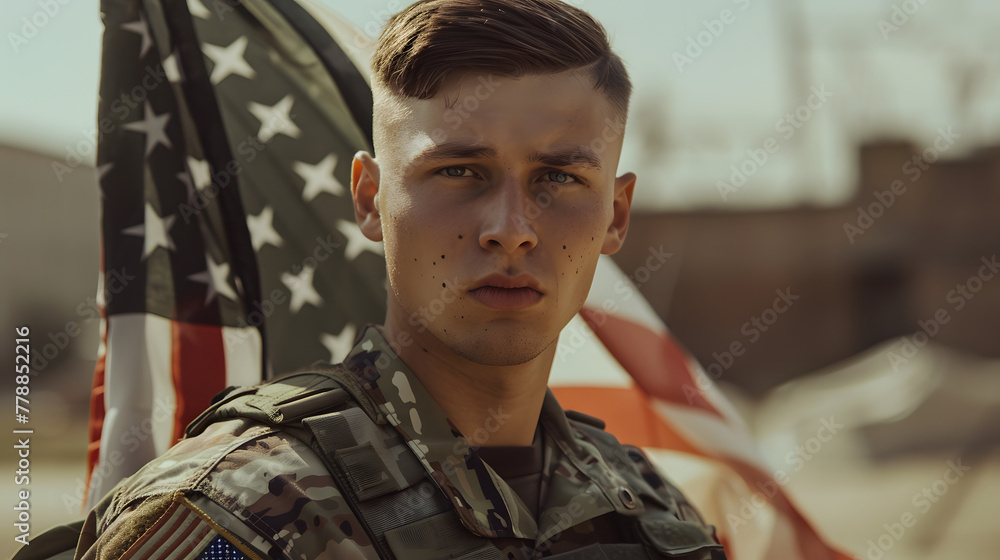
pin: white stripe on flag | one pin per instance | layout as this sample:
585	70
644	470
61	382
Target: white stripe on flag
139	400
583	361
242	349
709	433
711	393
613	293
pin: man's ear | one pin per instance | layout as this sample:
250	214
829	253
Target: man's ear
615	236
365	192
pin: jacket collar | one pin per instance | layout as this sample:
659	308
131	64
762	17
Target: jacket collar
577	483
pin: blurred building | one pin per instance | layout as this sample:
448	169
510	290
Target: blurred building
875	269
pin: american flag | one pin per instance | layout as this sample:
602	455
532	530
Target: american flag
230	253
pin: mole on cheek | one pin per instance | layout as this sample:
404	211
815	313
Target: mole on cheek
460	236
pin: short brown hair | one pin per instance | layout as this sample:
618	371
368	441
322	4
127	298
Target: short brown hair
422	45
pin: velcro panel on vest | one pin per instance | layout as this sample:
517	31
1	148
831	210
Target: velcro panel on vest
282	401
390	488
374	461
441	536
680	539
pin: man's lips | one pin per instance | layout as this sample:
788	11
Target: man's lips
507	292
511	299
523	280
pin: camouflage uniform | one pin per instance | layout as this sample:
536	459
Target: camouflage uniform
259	484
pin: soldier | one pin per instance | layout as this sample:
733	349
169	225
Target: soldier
498	129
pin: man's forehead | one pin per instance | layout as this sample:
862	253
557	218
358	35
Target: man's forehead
555	119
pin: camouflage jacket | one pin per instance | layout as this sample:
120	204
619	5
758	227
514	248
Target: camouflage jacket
262	487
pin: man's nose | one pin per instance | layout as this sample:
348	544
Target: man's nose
508	223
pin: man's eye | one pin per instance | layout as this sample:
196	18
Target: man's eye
456	171
561	177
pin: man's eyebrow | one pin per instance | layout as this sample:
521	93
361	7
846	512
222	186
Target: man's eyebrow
581	156
455	150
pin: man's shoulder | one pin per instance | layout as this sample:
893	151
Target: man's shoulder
249	472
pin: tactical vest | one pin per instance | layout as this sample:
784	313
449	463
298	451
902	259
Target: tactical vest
405	514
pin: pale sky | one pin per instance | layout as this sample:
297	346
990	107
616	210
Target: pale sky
692	119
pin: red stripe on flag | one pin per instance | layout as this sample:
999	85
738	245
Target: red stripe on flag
653	360
198	368
95	422
628	414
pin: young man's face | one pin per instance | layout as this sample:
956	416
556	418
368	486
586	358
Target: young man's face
494	212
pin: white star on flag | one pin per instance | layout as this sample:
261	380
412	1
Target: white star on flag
216	279
319	178
339	345
228	60
154	126
262	229
356	241
301	286
275	119
200	172
139	26
155	231
171	69
198	9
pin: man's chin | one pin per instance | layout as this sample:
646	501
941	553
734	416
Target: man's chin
499	348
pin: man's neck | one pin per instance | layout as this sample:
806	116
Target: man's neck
490	405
